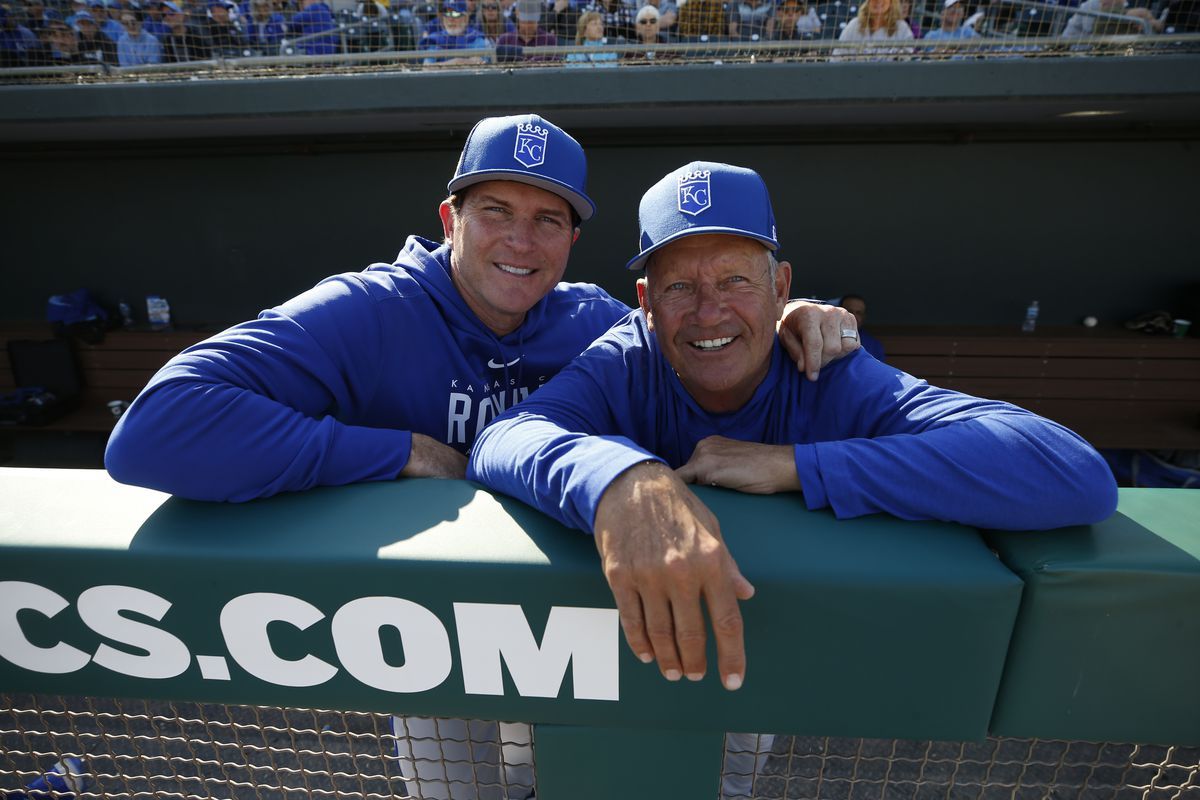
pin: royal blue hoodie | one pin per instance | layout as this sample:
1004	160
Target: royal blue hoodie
867	438
327	388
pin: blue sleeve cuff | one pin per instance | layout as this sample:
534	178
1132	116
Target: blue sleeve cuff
809	472
618	455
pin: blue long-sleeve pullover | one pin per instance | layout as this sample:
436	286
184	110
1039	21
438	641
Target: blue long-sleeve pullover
328	388
867	438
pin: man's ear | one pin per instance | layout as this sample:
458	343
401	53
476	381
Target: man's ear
643	293
446	212
783	286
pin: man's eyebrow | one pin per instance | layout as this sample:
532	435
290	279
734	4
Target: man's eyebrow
488	199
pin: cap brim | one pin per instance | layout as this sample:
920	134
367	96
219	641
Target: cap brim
639	261
583	205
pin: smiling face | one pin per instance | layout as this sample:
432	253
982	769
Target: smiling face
510	243
712	305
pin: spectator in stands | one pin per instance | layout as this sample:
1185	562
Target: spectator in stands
455	33
36	16
264	28
952	27
702	18
877	21
619	24
223	33
748	18
184	41
491	22
668	14
529	33
76	7
906	15
94	46
107	17
563	17
154	24
371	31
137	47
18	44
648	20
1085	24
60	45
793	19
314	18
591	34
434	25
856	305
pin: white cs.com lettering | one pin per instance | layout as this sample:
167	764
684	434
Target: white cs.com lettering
488	634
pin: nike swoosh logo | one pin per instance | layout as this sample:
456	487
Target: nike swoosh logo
492	363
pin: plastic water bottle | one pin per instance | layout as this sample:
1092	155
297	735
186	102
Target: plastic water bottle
65	780
1031	315
126	314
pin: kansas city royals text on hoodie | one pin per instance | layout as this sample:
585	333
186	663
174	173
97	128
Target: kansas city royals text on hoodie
867	438
327	388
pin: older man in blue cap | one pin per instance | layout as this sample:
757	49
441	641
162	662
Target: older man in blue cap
694	388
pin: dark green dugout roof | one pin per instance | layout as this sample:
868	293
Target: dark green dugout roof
745	101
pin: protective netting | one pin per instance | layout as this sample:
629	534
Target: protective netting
142	749
110	40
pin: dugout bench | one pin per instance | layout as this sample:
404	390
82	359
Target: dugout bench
115	368
1115	388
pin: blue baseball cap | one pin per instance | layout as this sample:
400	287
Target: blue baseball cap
526	149
704	197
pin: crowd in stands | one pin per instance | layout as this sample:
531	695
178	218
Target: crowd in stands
135	32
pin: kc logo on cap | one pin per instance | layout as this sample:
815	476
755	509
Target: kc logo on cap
530	149
695	192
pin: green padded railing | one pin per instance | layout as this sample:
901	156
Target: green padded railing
435	597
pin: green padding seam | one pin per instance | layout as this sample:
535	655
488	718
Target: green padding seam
1107	644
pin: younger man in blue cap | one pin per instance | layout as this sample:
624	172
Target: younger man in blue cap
694	388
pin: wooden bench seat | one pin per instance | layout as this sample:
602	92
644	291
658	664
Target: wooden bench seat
1114	387
114	369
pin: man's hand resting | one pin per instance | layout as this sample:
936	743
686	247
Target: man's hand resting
662	553
430	458
746	466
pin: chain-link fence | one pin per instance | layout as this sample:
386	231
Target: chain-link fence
140	749
104	40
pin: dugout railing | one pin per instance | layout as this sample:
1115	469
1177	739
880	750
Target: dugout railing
890	659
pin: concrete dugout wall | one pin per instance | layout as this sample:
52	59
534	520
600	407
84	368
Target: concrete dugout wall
949	192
